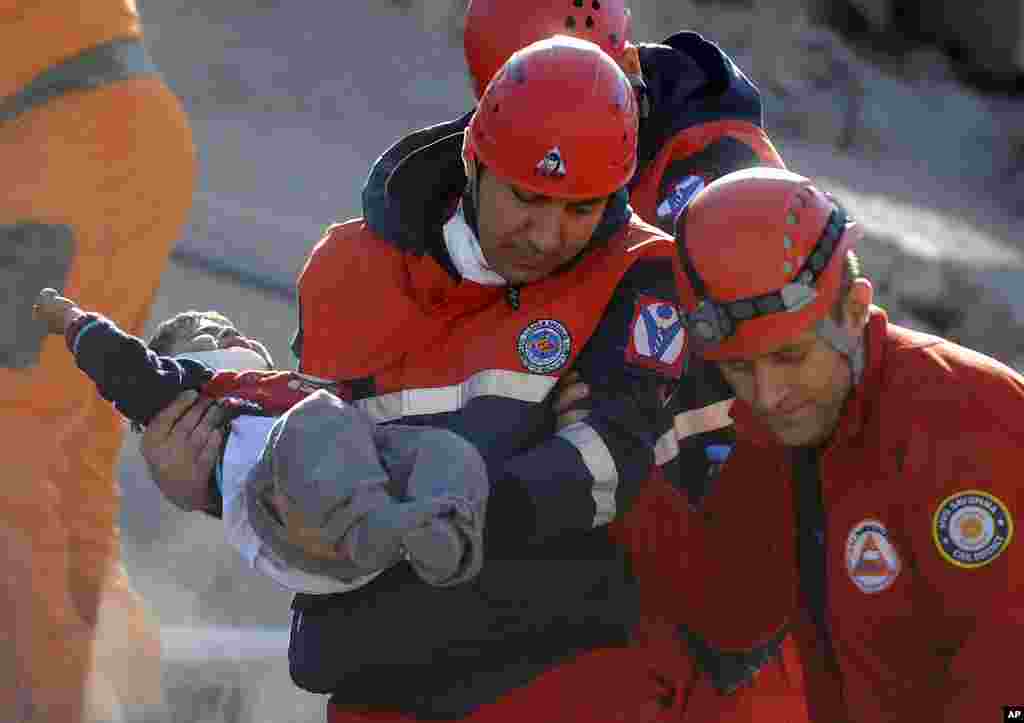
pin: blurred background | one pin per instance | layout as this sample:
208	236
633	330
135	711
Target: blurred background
910	111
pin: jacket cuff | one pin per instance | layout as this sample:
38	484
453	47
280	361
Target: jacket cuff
75	329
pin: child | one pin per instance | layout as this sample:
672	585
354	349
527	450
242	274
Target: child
316	496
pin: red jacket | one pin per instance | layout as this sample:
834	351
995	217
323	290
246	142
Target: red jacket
925	606
689	139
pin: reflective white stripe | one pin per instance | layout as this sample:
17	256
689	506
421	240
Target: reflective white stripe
686	424
601	466
520	386
667	448
706	419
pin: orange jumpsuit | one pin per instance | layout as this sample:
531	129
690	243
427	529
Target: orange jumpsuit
97	182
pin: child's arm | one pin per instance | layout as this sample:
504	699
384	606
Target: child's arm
138	381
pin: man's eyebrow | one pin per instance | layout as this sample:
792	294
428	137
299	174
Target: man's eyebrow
795	346
522	192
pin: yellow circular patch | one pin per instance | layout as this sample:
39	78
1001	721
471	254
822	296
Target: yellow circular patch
972	528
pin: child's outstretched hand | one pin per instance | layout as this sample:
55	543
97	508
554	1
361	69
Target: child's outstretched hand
55	310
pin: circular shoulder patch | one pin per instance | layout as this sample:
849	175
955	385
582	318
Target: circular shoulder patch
972	528
871	559
544	346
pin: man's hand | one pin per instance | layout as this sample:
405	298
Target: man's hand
570	402
55	310
181	445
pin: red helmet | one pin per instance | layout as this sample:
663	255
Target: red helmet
761	254
559	119
495	29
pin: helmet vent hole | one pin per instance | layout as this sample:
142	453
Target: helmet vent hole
578	3
590	21
613	38
596	4
570	22
496	107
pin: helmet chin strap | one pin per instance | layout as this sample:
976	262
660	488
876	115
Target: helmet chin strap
844	343
471	196
472	178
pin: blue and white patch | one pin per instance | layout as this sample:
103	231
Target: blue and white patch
678	198
552	164
658	337
544	346
972	528
685	177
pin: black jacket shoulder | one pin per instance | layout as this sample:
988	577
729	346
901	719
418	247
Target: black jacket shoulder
413	186
691	81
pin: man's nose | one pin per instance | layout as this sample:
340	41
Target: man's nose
770	387
546	229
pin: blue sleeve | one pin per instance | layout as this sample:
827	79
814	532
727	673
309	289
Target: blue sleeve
137	380
591	471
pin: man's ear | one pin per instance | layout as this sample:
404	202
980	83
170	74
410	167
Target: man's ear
858	306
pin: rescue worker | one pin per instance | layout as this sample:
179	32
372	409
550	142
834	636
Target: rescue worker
872	494
701	118
98	176
494	255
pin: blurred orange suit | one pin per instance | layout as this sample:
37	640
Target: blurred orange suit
97	169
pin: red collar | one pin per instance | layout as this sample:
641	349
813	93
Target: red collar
438	293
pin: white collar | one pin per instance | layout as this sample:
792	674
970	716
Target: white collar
465	252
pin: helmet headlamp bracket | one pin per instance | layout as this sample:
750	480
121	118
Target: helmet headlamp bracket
713	321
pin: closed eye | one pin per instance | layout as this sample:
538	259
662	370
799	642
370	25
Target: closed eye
737	367
790	357
527	198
